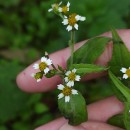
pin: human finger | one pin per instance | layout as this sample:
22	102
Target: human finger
27	83
90	125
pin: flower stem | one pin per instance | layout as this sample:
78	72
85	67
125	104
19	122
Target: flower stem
46	54
71	45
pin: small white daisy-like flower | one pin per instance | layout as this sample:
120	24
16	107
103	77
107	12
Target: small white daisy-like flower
55	7
64	9
43	65
71	77
38	76
126	72
72	21
66	92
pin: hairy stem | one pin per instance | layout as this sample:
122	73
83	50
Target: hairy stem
71	44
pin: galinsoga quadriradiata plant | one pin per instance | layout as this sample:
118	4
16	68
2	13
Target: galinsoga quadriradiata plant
71	103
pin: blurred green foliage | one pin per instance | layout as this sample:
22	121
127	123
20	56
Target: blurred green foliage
26	31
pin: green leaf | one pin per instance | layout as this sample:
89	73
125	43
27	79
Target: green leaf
117	120
83	69
126	115
115	36
123	92
120	55
90	51
75	110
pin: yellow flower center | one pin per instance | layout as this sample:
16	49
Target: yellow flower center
64	9
67	91
38	75
72	20
128	72
71	76
42	66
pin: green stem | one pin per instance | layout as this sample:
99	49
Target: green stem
46	55
71	44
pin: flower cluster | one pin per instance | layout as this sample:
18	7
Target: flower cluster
72	21
69	77
69	19
126	72
43	66
67	90
55	7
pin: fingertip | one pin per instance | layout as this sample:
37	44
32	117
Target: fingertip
106	109
28	84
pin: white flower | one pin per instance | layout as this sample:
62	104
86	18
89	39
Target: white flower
43	65
66	92
126	72
38	76
64	9
54	7
71	77
72	21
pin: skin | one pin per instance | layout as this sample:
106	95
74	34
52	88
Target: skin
96	117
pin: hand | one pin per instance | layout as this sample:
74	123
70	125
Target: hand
98	112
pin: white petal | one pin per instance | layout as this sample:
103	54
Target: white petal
69	28
74	70
38	80
61	95
49	10
43	59
74	91
82	18
46	70
49	62
67	98
60	87
36	66
66	79
68	4
60	9
65	21
77	17
67	73
60	3
65	17
125	76
77	78
53	6
70	83
123	70
76	26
